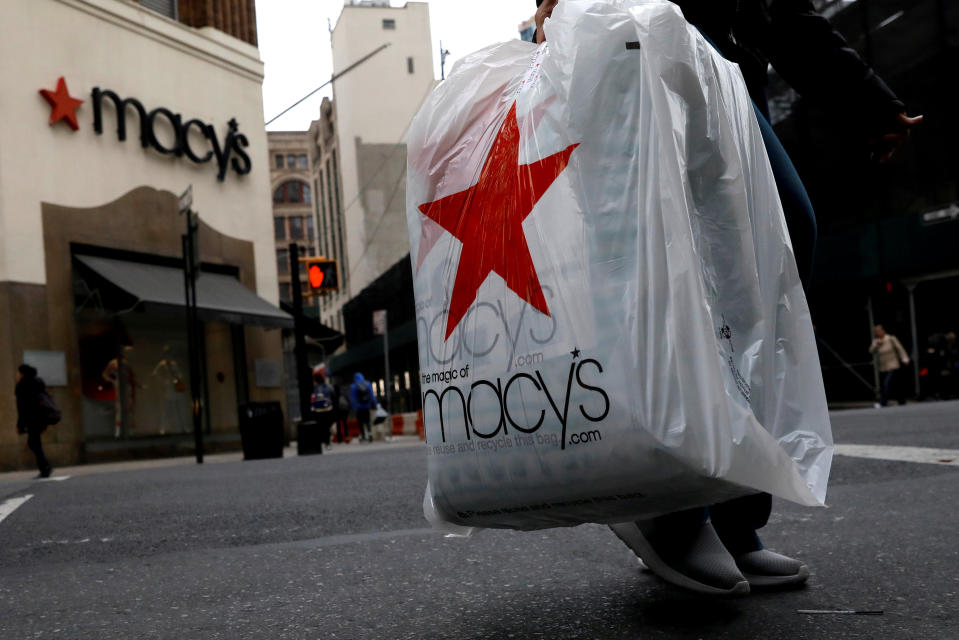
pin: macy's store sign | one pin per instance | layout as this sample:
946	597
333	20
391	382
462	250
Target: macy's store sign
203	146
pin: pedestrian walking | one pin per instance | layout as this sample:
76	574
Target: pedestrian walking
323	402
35	411
342	412
891	356
362	400
717	550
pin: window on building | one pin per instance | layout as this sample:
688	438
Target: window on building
293	192
409	65
279	228
309	229
278	160
296	228
283	261
286	291
301	161
166	7
291	161
389	24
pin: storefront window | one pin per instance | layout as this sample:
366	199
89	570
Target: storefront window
296	228
135	376
279	228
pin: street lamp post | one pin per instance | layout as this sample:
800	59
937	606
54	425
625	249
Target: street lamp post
191	271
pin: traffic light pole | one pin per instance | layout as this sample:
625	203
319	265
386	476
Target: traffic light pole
190	274
303	377
386	364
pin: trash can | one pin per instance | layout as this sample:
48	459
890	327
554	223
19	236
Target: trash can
311	435
261	428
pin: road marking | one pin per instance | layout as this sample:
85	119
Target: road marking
949	457
54	479
8	507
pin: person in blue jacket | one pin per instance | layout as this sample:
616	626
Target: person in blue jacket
362	400
717	550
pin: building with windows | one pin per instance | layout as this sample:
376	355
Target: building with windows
294	214
331	226
377	101
112	111
364	144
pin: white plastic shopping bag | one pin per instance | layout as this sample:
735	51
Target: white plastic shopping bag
610	320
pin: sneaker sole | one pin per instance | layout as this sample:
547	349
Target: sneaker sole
630	535
794	580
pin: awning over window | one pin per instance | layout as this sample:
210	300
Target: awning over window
220	298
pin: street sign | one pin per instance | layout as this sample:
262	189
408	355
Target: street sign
379	322
186	199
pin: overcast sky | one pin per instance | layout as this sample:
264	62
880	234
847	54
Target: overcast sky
295	45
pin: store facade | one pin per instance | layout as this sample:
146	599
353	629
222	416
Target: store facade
111	112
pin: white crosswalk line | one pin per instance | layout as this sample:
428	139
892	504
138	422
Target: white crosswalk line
922	455
11	505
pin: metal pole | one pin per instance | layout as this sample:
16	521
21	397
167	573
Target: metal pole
443	54
386	363
911	287
189	276
875	356
303	378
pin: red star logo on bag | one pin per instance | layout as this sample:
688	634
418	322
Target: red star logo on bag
64	107
487	218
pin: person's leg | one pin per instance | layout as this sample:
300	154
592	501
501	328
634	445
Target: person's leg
900	383
736	521
35	442
797	207
363	417
884	388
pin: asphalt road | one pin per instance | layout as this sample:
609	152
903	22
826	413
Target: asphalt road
335	546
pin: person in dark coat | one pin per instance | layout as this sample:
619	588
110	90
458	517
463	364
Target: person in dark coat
30	414
362	401
717	550
322	402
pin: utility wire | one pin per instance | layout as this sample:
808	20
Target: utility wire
333	78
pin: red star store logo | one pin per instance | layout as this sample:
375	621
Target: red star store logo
487	219
63	106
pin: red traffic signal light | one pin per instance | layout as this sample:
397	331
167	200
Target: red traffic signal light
322	274
316	276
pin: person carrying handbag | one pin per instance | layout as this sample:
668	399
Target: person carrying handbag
36	410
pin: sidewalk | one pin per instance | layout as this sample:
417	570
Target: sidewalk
355	446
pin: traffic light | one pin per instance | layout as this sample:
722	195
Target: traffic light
321	274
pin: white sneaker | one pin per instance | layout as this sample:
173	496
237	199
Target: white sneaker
764	568
700	564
